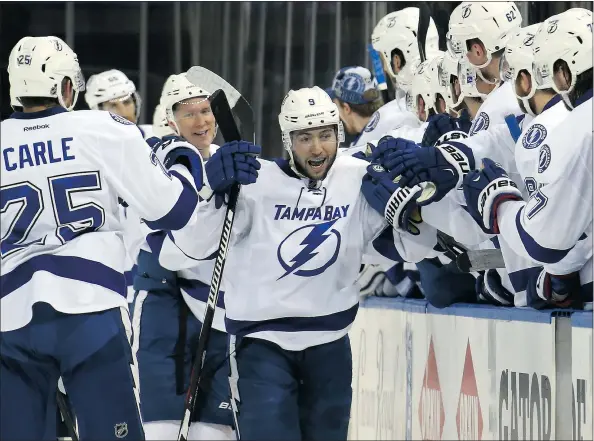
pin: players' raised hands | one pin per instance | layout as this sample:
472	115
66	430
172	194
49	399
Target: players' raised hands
443	128
397	204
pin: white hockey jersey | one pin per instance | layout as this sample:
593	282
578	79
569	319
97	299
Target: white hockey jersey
294	253
390	116
499	103
62	175
555	226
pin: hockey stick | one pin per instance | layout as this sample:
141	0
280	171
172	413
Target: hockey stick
423	28
66	414
228	126
470	260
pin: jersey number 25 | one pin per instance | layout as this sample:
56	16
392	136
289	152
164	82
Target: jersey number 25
71	220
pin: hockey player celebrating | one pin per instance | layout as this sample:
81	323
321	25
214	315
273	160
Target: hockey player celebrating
168	305
63	306
563	62
297	243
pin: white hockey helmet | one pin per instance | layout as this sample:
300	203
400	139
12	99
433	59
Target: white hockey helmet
423	86
568	37
111	85
37	66
490	22
398	31
467	75
176	89
160	126
518	56
307	108
448	74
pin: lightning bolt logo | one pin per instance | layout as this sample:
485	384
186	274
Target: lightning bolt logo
317	236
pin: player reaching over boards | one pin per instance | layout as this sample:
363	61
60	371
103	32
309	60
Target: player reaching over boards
301	229
63	305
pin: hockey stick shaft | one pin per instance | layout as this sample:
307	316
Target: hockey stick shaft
224	116
66	415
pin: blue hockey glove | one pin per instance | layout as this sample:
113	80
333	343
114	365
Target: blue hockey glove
484	190
233	162
444	166
397	204
386	146
489	289
545	290
443	128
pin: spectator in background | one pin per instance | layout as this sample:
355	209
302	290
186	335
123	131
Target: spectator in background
355	91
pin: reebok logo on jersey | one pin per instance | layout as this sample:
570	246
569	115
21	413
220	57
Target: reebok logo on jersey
37	127
327	213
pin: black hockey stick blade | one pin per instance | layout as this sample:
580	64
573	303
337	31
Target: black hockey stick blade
228	127
64	408
480	260
423	28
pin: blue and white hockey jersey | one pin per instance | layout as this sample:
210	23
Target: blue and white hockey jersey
294	254
555	226
62	174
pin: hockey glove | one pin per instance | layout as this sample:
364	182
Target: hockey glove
233	162
386	146
490	290
444	166
484	190
397	204
545	290
370	277
443	128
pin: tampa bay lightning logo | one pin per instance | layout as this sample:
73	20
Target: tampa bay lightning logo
466	10
534	136
354	83
544	158
309	250
372	124
480	123
552	26
529	40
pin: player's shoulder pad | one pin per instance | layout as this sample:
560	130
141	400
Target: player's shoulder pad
170	143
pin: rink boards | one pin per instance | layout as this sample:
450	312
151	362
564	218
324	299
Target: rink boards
470	372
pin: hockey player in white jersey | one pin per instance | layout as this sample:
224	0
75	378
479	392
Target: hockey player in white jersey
113	91
169	305
63	305
297	243
538	228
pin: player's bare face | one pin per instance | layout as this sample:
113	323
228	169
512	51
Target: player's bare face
196	122
314	151
125	107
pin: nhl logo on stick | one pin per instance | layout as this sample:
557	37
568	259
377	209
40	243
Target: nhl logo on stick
121	430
